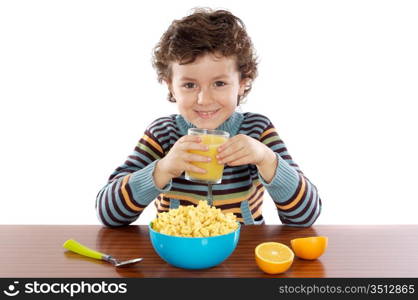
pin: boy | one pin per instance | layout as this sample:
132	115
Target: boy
208	63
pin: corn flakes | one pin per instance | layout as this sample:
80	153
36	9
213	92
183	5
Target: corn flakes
190	221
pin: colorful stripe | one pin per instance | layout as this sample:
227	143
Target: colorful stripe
124	198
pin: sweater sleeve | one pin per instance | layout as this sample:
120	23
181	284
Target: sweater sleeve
131	186
296	198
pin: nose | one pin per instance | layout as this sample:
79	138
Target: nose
204	97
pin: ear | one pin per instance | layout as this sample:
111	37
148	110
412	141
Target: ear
242	85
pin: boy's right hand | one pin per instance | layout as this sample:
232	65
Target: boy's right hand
178	159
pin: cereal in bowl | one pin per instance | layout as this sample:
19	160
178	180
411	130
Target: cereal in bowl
195	221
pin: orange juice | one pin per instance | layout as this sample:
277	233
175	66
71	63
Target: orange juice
213	168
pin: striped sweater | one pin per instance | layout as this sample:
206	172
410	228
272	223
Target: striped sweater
131	187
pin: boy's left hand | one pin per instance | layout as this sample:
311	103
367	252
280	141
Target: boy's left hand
242	150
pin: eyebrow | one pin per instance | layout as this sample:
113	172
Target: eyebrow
214	78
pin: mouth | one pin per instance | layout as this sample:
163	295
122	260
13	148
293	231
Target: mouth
207	114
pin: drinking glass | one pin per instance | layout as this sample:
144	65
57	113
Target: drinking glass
212	138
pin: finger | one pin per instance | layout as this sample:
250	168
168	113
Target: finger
193	168
190	138
227	152
195	157
194	146
233	156
234	140
241	161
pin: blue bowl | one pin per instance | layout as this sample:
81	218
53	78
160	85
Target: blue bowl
194	252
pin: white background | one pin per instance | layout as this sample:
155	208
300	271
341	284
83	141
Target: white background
339	79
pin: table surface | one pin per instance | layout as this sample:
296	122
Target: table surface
353	251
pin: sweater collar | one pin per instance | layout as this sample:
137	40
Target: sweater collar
231	125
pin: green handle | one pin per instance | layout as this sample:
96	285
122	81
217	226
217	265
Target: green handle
76	247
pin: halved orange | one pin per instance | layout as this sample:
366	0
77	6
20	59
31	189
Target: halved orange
273	258
310	247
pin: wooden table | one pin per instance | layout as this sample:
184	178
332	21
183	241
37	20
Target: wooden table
353	251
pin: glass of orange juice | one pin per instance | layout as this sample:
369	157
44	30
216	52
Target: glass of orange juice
212	138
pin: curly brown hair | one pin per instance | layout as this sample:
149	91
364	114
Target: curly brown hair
205	31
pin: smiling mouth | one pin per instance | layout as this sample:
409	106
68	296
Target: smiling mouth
207	114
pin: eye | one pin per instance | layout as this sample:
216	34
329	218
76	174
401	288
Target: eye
189	85
220	83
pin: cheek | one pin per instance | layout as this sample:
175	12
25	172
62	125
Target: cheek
230	97
184	96
184	106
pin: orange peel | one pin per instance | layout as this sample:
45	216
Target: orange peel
309	248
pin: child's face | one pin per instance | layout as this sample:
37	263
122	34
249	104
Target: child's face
206	91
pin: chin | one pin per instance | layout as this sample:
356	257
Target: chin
206	125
